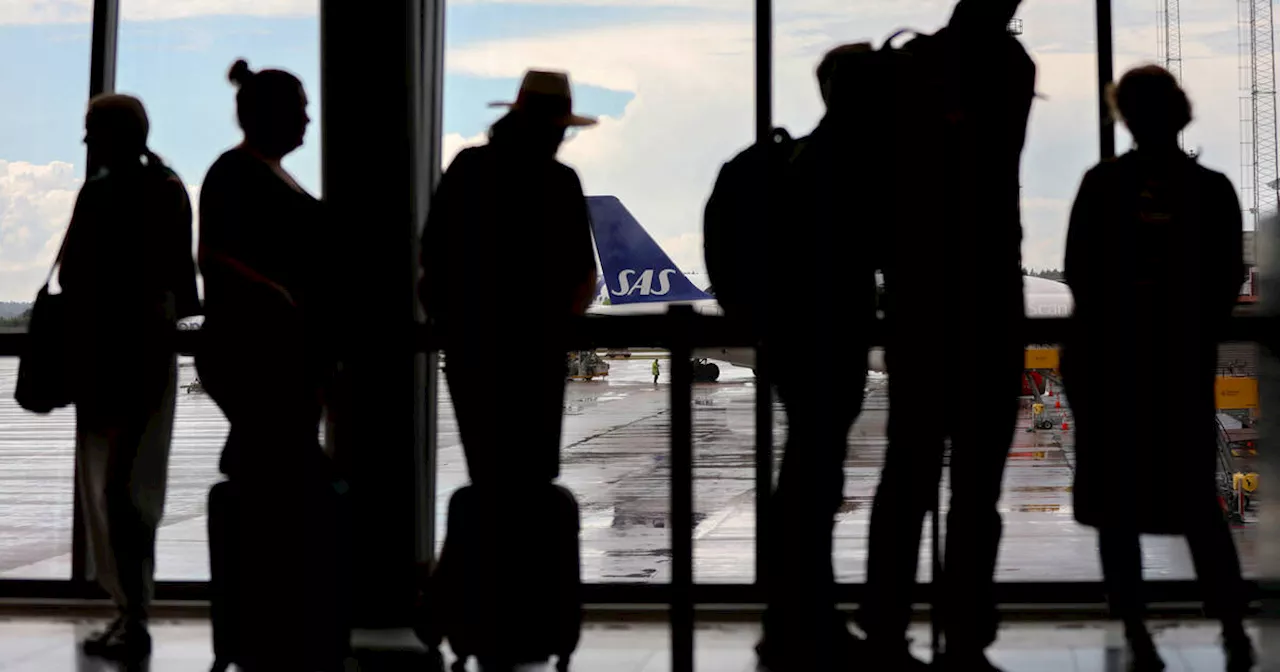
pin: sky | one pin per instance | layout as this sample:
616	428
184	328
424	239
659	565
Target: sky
672	81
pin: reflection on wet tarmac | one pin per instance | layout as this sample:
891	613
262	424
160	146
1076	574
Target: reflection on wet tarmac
615	460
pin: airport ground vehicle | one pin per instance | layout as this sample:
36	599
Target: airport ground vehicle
587	365
705	371
1237	484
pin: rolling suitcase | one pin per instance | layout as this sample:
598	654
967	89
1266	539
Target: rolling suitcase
268	548
508	585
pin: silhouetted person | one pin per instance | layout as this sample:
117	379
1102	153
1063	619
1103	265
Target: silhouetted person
1154	260
507	216
956	230
265	253
263	244
822	222
128	276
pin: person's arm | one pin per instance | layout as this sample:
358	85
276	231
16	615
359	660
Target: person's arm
221	263
983	17
1078	267
434	246
218	223
583	261
1228	231
71	264
182	266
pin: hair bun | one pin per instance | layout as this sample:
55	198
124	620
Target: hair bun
240	73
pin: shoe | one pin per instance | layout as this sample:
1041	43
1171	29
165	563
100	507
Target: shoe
968	661
1143	656
894	656
1145	660
1239	650
95	644
774	654
124	640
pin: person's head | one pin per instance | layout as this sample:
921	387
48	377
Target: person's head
116	129
1150	102
541	115
984	15
519	129
271	107
843	71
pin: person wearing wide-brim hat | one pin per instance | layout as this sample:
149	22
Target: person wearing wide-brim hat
545	99
507	259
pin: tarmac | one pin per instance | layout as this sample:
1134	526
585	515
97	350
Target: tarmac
615	461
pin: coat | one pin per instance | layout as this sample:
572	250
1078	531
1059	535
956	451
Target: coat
128	275
1154	260
507	228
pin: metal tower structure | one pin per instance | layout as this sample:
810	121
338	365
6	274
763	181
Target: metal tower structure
1258	137
1169	36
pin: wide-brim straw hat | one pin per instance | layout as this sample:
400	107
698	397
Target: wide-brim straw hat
545	95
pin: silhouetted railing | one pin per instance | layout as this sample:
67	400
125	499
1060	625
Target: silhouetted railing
677	329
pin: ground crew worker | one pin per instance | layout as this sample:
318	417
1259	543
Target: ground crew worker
656	370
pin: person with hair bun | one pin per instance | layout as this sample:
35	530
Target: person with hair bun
1154	260
264	250
261	250
127	276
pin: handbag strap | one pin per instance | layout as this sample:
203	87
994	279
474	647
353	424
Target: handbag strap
62	249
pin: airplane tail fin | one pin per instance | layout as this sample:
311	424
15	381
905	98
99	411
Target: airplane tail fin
636	270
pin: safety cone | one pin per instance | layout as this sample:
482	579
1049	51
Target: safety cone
1057	403
1064	425
1050	388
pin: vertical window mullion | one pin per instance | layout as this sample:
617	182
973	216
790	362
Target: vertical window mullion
102	79
764	396
1106	73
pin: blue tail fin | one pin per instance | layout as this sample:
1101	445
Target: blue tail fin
635	269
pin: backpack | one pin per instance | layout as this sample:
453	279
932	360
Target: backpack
736	221
906	86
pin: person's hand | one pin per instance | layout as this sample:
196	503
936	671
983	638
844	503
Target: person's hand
246	273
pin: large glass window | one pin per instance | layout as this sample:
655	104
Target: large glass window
673	85
176	60
44	68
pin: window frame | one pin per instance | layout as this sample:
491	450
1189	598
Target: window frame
679	331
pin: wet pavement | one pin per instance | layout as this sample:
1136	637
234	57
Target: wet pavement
615	461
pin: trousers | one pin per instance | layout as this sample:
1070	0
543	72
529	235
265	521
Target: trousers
510	428
979	425
122	461
800	578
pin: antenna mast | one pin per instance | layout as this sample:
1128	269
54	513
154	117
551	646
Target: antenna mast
1258	144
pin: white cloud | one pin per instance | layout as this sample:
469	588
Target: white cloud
35	205
155	10
81	11
45	11
693	86
694	104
